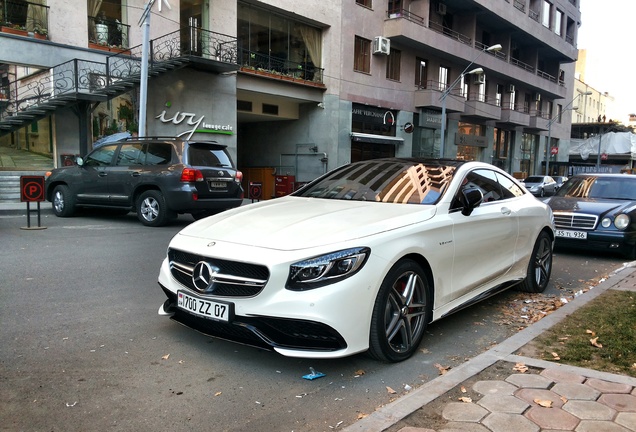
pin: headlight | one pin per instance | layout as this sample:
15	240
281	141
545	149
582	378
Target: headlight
621	221
606	222
326	269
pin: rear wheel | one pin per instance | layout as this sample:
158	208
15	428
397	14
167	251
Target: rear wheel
540	266
400	314
63	201
152	209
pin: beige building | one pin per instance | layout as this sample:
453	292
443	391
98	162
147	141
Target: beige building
297	88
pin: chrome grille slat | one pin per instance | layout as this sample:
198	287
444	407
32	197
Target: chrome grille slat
578	221
234	279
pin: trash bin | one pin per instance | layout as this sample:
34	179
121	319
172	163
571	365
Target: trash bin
284	185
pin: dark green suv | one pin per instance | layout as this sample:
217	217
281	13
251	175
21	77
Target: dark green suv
156	177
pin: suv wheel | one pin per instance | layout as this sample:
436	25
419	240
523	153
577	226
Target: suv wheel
152	209
63	201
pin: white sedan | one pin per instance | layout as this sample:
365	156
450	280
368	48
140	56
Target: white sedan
361	259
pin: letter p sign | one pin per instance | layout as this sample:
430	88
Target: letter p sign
31	188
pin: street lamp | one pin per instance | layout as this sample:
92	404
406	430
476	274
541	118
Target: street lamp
450	88
555	118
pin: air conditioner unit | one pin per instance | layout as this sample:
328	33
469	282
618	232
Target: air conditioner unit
510	88
381	45
479	78
537	97
441	8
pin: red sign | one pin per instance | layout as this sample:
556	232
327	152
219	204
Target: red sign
31	188
603	156
554	150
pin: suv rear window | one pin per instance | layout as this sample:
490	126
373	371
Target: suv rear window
202	155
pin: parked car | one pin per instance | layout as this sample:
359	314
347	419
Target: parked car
156	177
597	212
559	181
540	185
362	258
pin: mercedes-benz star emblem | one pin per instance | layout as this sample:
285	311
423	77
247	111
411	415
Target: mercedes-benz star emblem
203	276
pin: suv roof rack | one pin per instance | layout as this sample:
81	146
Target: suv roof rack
167	138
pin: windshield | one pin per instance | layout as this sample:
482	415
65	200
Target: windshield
600	187
534	179
401	181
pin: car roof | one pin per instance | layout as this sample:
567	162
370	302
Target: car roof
605	175
172	139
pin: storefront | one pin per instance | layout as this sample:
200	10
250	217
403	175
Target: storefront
373	133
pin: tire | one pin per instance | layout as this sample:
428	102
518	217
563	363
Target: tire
152	210
542	192
400	314
63	202
539	267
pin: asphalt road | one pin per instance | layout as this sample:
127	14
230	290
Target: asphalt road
83	349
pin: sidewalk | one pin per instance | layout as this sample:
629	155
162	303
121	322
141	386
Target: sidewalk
583	400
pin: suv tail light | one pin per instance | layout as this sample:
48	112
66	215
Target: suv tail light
191	175
239	176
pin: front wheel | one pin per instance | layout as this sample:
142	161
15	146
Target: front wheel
540	266
400	314
152	209
63	201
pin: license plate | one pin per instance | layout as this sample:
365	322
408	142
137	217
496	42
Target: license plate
204	308
218	185
581	235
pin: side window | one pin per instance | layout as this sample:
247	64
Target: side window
101	157
129	154
483	179
157	154
508	187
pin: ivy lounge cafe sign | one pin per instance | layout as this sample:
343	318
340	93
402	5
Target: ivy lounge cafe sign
195	123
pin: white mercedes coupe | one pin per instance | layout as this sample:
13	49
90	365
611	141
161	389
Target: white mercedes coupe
361	259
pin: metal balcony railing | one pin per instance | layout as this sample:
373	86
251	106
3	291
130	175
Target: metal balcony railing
276	65
406	14
24	15
106	31
446	31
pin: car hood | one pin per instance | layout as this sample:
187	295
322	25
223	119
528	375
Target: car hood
292	223
595	206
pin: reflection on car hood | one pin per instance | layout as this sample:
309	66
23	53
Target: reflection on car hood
291	223
590	206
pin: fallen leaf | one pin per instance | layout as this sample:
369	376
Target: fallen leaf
166	357
362	415
463	389
442	369
466	399
359	372
634	366
520	367
595	343
555	356
590	332
217	394
564	399
543	403
390	390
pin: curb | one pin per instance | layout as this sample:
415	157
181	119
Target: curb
390	414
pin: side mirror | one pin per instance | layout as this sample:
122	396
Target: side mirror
79	161
471	198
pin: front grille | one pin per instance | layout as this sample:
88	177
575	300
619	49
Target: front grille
575	221
233	278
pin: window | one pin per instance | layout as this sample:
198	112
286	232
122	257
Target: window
393	65
421	72
366	3
103	156
362	55
395	6
129	154
157	154
546	14
558	22
443	77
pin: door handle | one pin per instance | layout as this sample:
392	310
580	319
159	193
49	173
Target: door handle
102	174
135	174
506	211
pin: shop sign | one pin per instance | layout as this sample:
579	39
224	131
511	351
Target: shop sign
367	114
430	119
471	140
197	123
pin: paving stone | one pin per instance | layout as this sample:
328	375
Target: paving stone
576	391
503	403
415	429
620	402
558	375
504	422
589	410
626	419
552	418
599	426
608	387
529	381
464	427
529	395
494	387
464	412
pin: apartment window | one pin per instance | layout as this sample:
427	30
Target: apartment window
393	65
395	6
421	72
443	77
558	22
559	112
362	55
365	3
499	95
545	16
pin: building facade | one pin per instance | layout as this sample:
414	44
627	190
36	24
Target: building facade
296	88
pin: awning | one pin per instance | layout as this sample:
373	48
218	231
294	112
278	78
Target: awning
376	139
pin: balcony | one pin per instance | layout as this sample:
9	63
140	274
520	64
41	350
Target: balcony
477	106
512	116
429	96
24	18
268	66
106	33
538	120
